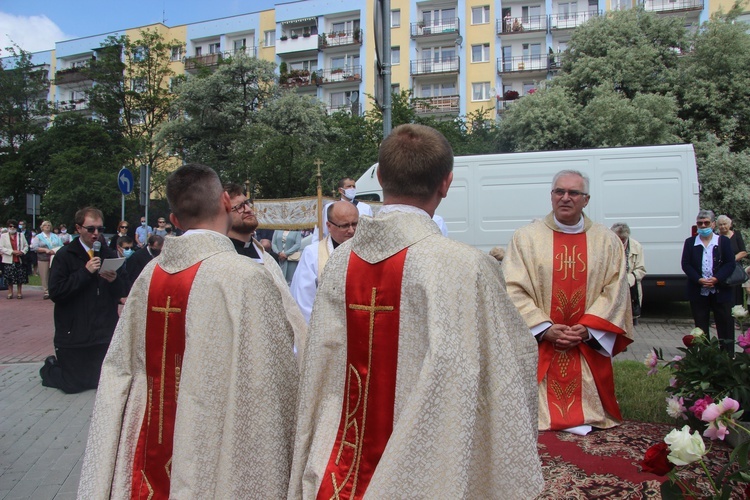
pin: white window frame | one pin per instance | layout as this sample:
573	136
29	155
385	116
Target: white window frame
176	54
396	55
480	91
269	38
395	18
214	48
484	14
484	53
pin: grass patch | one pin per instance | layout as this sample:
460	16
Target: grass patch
642	397
35	281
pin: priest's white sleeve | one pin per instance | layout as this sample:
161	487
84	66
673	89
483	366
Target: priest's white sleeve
305	281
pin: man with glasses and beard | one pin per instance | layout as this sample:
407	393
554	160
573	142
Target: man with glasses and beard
86	303
244	224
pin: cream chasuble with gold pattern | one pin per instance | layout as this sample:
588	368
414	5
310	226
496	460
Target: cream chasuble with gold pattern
572	278
236	386
419	374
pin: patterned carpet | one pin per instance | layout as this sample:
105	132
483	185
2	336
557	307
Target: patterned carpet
605	464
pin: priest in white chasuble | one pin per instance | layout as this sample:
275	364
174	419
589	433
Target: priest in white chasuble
567	277
198	390
418	377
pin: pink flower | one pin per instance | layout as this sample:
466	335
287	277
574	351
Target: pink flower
744	341
701	405
714	411
673	382
651	362
716	430
676	358
676	407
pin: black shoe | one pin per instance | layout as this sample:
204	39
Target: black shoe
50	361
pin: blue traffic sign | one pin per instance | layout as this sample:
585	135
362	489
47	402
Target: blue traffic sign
125	181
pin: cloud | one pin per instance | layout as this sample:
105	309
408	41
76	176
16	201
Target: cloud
31	33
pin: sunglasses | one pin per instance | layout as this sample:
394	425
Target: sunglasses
123	227
92	229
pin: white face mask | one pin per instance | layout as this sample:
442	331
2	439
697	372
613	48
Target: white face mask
350	193
12	230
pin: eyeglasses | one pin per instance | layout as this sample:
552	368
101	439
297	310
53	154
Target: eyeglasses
162	222
703	223
570	192
123	227
345	227
243	206
93	229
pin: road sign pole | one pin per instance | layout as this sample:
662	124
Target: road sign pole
122	212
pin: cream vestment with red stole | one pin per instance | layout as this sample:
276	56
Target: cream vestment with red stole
572	279
227	400
419	374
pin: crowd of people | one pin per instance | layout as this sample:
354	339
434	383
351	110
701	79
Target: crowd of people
377	356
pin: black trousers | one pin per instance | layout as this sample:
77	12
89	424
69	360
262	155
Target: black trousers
76	369
702	309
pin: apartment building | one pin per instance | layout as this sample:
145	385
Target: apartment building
457	56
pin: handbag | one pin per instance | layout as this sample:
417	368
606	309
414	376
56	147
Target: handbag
635	302
295	256
738	276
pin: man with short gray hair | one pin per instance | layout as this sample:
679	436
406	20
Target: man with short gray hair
567	276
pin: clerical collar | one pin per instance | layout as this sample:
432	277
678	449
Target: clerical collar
411	209
333	242
574	229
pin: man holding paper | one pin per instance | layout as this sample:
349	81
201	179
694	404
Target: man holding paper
86	300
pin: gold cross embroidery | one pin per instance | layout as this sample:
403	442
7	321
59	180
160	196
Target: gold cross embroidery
372	309
166	311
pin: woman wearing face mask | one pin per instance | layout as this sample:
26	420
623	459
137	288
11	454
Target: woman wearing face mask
708	260
45	244
64	236
13	246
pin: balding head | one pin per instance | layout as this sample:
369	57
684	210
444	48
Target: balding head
343	217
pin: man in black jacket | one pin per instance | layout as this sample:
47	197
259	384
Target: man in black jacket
143	256
86	303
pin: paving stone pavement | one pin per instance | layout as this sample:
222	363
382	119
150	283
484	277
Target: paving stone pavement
43	431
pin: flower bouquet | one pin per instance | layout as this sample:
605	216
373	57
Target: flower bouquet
710	389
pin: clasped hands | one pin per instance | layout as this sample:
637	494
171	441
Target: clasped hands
565	337
708	282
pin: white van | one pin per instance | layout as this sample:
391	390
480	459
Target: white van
654	189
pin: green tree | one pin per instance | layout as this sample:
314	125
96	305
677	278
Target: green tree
24	112
715	83
215	112
132	94
75	164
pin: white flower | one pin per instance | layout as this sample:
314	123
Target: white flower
685	448
739	312
676	407
696	332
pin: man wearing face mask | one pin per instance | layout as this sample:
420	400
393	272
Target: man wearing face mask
142	232
125	249
143	256
348	192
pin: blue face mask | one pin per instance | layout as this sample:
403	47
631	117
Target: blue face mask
705	232
127	252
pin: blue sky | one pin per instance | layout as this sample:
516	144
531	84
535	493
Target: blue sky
36	25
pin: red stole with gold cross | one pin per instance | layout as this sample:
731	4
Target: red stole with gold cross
373	297
563	367
165	345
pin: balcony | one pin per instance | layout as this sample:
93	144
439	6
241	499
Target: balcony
72	105
339	39
431	67
207	61
535	63
339	75
516	25
450	27
349	109
248	51
297	78
555	61
446	104
296	43
672	6
568	21
503	105
71	75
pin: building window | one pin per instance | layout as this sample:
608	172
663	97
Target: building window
480	53
395	55
480	91
138	85
214	48
529	87
480	15
239	45
395	18
176	53
395	88
139	54
198	51
269	38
